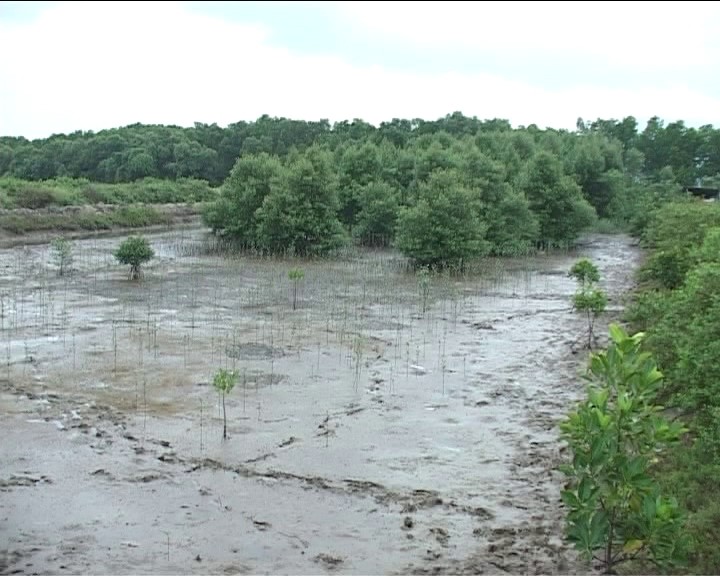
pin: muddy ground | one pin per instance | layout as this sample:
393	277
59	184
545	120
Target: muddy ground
366	436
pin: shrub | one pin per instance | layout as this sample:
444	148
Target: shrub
134	251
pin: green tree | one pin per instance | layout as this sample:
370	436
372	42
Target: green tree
676	231
615	512
512	227
443	227
139	164
62	254
359	165
597	166
398	169
300	214
588	298
134	251
6	158
224	381
378	215
192	159
555	199
250	182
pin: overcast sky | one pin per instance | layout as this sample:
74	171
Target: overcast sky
67	66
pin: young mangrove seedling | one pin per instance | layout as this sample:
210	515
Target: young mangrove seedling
295	274
224	381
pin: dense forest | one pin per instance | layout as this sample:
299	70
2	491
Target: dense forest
208	152
309	187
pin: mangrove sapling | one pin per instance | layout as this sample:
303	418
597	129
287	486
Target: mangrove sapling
295	274
358	359
616	512
115	345
244	383
588	298
141	356
224	381
144	408
201	426
134	251
585	273
319	346
62	254
327	429
593	302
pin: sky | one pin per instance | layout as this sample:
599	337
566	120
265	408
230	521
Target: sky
68	66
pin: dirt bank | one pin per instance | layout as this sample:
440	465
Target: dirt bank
366	435
174	215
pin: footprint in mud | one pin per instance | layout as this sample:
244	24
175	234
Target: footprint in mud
288	442
331	562
237	569
146	478
24	479
101	472
441	535
432	555
261	524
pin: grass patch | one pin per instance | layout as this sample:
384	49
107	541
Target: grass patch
606	226
133	216
16	193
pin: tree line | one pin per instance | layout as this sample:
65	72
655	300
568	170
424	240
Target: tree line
443	195
208	151
442	191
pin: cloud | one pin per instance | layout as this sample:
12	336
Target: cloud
88	66
666	36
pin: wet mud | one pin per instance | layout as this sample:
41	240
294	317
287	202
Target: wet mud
374	429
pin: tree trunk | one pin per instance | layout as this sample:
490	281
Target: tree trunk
609	547
294	294
224	419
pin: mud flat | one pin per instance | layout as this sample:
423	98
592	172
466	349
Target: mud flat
367	436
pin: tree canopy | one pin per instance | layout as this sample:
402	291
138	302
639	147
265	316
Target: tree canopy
208	151
309	186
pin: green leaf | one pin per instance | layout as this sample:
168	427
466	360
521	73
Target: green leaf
617	334
649	508
599	397
632	546
586	490
598	529
570	499
624	402
579	534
